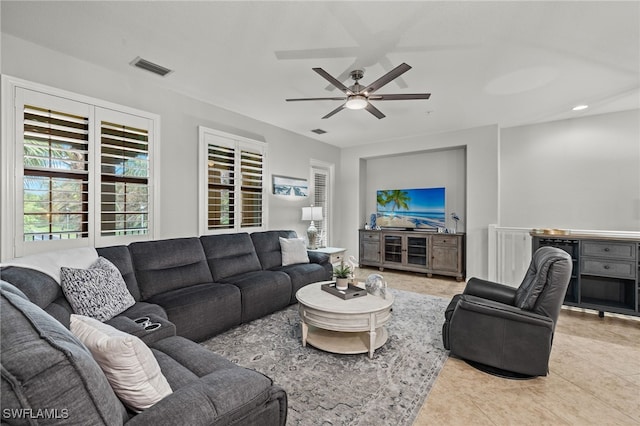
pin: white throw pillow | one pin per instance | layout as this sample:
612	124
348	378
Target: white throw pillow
293	251
130	367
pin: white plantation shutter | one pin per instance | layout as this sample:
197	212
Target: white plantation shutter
220	186
232	176
251	170
55	174
124	178
320	199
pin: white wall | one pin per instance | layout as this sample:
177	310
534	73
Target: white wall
439	168
481	145
288	153
582	173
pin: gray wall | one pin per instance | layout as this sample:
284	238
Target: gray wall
582	173
288	153
439	168
479	182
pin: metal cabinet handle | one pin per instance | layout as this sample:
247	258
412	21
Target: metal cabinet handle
607	249
607	267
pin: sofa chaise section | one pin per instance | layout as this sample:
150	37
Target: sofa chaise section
175	275
45	366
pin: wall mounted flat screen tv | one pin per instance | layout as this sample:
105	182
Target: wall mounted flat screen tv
419	208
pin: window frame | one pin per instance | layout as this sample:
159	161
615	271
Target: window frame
12	243
327	169
238	144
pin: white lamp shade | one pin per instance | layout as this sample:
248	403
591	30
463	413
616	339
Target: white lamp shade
312	213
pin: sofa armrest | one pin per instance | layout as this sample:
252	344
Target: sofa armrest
318	257
490	290
128	325
219	399
502	311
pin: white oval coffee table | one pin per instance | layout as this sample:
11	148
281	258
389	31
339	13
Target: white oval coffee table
340	326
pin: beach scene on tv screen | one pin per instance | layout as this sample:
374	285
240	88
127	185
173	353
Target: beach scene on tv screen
421	208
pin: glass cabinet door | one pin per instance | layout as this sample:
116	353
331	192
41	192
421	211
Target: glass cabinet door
393	248
417	251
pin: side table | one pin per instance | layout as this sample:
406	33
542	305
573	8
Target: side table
336	254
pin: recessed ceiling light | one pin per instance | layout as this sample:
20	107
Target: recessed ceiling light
580	107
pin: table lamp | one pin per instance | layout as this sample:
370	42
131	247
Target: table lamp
312	213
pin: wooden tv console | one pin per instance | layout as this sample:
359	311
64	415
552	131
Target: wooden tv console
417	251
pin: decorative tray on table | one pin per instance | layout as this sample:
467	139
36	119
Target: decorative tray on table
350	293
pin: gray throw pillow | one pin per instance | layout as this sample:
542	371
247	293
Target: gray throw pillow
98	292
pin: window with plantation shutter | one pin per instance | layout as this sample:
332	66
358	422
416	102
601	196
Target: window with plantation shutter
55	174
81	171
124	179
232	176
320	199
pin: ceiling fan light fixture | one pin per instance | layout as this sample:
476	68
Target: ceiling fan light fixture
356	102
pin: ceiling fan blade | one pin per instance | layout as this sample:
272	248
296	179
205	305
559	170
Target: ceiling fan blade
375	111
333	81
316	99
400	97
390	76
335	111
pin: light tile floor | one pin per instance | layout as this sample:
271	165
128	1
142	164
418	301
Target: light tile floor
594	373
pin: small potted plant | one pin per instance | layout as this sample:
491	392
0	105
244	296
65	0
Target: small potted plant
342	274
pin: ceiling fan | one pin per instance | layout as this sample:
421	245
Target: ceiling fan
360	97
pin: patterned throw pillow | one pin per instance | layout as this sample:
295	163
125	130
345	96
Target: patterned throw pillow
98	292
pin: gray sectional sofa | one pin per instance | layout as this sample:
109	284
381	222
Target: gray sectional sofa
195	288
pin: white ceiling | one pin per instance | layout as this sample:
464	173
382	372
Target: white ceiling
508	63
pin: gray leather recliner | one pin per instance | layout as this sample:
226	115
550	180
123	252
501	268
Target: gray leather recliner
510	329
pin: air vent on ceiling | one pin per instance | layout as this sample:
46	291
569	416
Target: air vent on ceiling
319	131
150	66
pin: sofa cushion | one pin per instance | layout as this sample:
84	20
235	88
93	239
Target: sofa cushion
98	292
303	274
230	254
130	367
203	310
120	256
293	251
39	287
166	265
267	245
263	292
44	366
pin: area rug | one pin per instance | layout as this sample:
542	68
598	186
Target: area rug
331	389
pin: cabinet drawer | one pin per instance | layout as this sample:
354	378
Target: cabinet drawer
606	268
371	236
443	240
608	249
336	258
